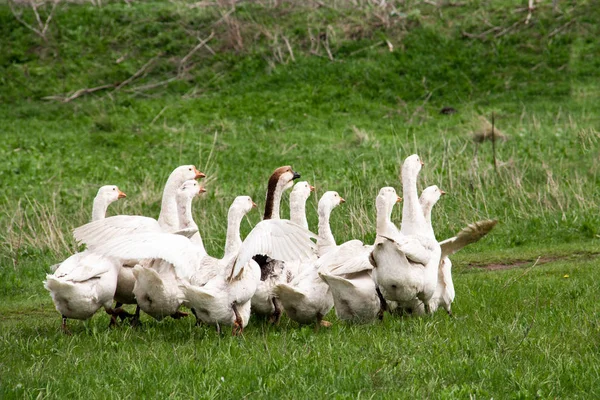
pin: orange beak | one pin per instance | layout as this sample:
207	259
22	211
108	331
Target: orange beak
442	192
198	174
312	188
422	163
399	199
121	195
201	190
254	205
342	200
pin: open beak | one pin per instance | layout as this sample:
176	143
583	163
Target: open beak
398	199
312	188
201	190
198	174
442	192
342	200
121	195
254	205
422	163
296	175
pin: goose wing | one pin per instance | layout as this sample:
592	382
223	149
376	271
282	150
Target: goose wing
470	234
348	258
279	239
97	232
174	249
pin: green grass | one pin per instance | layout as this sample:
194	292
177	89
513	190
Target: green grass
345	125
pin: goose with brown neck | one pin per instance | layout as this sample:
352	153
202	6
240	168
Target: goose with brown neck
406	264
348	270
272	243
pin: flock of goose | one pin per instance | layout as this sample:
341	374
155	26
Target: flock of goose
281	266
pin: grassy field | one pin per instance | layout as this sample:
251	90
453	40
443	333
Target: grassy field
342	91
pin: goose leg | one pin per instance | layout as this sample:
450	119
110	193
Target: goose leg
238	324
321	323
198	322
218	329
135	321
382	304
276	316
64	328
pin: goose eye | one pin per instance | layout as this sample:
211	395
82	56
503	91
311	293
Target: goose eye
114	189
189	169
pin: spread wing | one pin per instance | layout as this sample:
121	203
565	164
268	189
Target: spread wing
471	234
174	249
83	266
97	232
279	239
348	258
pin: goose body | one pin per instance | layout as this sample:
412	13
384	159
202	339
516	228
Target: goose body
307	297
98	232
82	284
348	271
406	264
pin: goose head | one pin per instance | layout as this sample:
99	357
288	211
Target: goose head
110	193
189	189
243	204
283	177
412	166
329	201
186	172
386	199
430	195
301	192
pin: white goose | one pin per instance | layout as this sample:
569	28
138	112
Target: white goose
81	285
298	197
444	292
272	243
307	297
348	272
406	264
156	287
99	232
213	295
106	195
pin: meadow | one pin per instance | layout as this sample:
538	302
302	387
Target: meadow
342	91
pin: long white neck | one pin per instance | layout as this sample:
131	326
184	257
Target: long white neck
413	220
186	219
168	219
99	208
325	241
233	242
384	221
427	207
298	211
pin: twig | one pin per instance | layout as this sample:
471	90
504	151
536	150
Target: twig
510	281
287	43
158	115
191	53
560	29
42	26
79	93
137	74
530	10
494	143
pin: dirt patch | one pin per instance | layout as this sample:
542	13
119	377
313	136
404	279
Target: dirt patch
522	263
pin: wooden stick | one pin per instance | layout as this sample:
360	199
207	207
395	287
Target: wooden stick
494	143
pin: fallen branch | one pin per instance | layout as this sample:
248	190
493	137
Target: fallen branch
79	93
138	73
194	50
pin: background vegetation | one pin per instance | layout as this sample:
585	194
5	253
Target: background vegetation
121	93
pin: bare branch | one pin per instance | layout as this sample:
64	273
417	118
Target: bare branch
194	50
